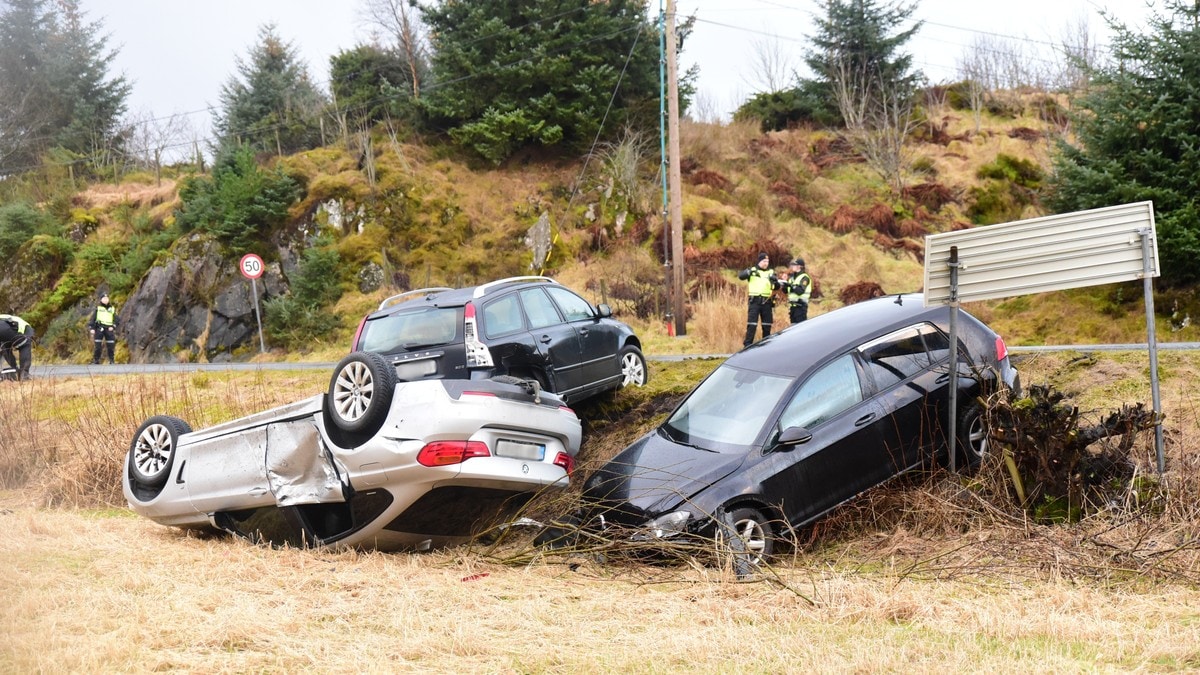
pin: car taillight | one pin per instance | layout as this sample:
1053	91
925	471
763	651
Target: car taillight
1001	349
358	334
566	461
478	355
445	453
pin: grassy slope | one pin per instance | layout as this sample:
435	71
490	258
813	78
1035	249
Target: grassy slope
736	198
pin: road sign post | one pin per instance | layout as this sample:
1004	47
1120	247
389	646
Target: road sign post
252	268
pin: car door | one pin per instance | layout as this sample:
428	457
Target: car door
902	375
598	340
844	455
556	340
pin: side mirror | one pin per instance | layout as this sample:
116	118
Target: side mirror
604	310
794	436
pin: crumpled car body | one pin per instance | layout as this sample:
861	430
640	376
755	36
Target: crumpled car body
372	463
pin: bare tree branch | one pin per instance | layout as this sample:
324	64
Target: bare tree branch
399	22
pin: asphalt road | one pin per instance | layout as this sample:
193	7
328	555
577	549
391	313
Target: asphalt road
69	370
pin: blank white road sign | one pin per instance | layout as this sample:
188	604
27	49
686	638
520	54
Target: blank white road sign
1069	250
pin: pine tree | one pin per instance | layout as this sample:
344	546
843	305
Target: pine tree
539	72
1136	136
271	103
55	89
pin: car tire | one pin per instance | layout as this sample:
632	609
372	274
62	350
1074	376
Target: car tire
972	442
633	367
152	452
360	394
749	536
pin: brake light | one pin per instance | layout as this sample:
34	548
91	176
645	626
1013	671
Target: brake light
566	461
478	355
445	453
358	334
1001	349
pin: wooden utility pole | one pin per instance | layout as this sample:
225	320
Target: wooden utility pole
674	189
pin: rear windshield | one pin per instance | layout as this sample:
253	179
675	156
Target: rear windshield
405	331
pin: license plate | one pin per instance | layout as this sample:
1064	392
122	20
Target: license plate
520	450
415	370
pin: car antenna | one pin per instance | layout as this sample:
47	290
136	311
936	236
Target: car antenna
900	299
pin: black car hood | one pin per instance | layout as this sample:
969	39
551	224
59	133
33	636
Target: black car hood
653	476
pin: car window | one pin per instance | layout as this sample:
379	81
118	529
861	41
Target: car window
829	391
895	357
539	308
502	316
728	410
410	330
938	344
573	307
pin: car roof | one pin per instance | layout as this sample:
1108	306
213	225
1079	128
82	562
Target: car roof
453	297
795	350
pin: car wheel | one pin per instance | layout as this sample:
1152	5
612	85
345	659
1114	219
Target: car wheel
152	452
749	536
360	393
633	367
972	437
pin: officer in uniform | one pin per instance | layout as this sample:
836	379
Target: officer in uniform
799	289
103	328
762	284
16	333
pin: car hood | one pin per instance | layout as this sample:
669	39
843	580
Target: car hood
654	476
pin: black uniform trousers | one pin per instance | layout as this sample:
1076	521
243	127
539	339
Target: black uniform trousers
760	308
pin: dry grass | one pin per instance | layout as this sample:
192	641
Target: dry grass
927	573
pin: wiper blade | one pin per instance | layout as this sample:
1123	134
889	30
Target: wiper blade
666	431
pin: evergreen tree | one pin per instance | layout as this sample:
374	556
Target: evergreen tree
271	104
539	72
1136	135
856	59
241	204
55	90
370	84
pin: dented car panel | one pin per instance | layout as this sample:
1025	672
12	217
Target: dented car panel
442	461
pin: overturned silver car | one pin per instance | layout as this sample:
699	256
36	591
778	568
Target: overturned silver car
371	463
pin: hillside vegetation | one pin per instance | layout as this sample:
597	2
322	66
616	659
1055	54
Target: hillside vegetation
411	214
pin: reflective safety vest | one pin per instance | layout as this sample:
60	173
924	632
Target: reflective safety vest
21	324
106	316
760	282
799	288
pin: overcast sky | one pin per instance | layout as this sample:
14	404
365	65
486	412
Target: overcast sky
178	53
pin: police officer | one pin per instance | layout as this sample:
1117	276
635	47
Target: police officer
799	289
762	284
16	333
103	329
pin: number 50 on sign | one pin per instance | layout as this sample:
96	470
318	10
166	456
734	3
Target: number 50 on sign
252	266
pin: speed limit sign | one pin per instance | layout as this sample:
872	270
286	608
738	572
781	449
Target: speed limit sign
252	266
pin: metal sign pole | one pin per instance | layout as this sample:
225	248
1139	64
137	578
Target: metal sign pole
262	347
953	423
1152	340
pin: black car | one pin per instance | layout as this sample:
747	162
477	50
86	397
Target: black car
794	425
530	327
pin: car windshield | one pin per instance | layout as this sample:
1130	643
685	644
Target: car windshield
728	410
425	327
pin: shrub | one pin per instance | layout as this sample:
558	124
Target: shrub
241	203
18	223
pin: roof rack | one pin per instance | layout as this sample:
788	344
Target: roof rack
420	291
480	290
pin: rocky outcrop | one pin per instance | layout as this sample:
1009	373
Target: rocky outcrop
196	306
